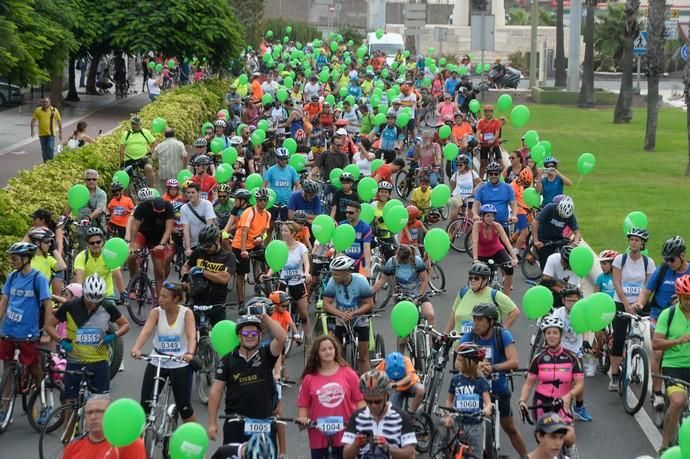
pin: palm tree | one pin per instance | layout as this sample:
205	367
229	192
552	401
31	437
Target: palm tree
655	66
623	112
608	36
518	16
559	61
586	97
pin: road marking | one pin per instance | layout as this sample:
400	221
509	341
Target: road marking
645	422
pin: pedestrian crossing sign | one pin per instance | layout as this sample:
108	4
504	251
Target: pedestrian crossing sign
640	43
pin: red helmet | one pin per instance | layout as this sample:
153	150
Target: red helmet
607	255
412	212
683	285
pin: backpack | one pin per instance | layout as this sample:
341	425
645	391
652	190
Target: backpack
663	269
645	260
464	290
498	334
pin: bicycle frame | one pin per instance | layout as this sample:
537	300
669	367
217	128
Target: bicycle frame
161	430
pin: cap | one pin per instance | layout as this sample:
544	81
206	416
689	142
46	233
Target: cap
550	423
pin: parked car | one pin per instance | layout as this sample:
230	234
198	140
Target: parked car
10	94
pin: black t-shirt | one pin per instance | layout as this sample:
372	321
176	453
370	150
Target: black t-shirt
329	160
249	384
152	222
551	225
215	263
341	200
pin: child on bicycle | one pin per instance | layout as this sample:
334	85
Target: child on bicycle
303	234
120	208
421	196
406	382
604	281
413	233
469	395
281	315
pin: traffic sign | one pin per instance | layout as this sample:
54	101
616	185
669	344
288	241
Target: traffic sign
640	43
671	29
684	52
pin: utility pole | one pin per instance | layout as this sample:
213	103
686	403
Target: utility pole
534	20
572	83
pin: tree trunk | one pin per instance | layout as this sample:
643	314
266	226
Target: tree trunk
623	112
655	66
56	84
586	98
559	61
686	82
91	77
72	82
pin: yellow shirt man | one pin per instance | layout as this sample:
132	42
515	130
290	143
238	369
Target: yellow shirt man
48	118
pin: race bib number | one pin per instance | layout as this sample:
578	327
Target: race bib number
119	211
467	403
89	336
330	424
632	288
254	426
169	344
488	136
489	353
466	326
204	195
15	315
466	191
291	272
354	249
282	184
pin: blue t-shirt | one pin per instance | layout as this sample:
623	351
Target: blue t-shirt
662	296
23	308
362	236
406	274
499	382
348	297
551	189
605	284
390	136
281	180
500	195
468	395
450	85
297	202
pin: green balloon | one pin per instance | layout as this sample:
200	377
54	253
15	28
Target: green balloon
392	203
78	196
256	137
282	94
404	318
444	132
426	82
519	115
243	79
152	65
537	302
675	452
402	120
269	33
288	82
254	181
531	138
450	151
156	193
367	213
537	153
343	237
334	177
290	145
288	29
350	99
581	260
230	155
547	146
183	176
217	145
504	103
122	178
431	50
436	243
361	51
442	61
586	163
440	195
224	337
684	438
298	161
223	173
266	99
474	105
276	255
578	319
531	197
367	188
323	227
159	68
115	252
189	441
600	311
334	46
123	422
379	119
352	169
239	129
158	125
375	164
487	67
330	99
205	127
395	218
635	219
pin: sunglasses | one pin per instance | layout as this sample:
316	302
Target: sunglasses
249	333
350	212
262	199
475	278
91	180
222	196
493	174
374	402
670	259
95	242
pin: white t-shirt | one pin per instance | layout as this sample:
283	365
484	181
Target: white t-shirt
410	98
311	90
464	183
571	340
633	276
205	211
362	163
293	268
153	87
554	269
270	88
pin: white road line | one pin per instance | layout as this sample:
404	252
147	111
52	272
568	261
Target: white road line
645	422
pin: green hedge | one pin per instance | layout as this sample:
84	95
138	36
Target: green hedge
46	185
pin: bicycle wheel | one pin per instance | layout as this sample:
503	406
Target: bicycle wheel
382	295
140	298
150	440
8	389
37	409
204	377
116	351
444	211
490	450
402	185
421	351
529	264
441	443
424	431
456	232
69	259
170	427
431	119
350	351
635	378
437	278
467	243
379	352
536	343
52	443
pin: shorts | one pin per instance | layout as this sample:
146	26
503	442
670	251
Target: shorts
140	240
485	152
297	292
28	352
678	373
457	201
140	163
522	222
387	155
500	258
620	331
504	407
398	396
322	453
241	264
362	333
118	231
279	211
99	381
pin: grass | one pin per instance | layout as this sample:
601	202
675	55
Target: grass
625	177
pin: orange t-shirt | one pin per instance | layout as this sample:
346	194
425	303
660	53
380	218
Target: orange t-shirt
409	370
256	221
385	172
86	449
519	192
459	131
257	91
312	109
283	318
120	210
303	235
413	228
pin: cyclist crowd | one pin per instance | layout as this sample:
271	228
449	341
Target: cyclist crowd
214	233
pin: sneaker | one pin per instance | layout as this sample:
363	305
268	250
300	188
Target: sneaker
43	416
658	402
582	414
613	384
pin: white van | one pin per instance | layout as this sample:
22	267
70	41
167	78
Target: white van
390	44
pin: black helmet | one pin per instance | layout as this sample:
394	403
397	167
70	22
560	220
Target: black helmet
241	193
494	167
480	269
488	310
208	235
639	232
571	289
673	247
565	252
116	186
300	216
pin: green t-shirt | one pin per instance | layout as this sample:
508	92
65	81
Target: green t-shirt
462	307
44	264
367	124
137	143
677	356
96	265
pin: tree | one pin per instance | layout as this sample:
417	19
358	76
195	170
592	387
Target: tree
608	36
623	112
655	66
350	33
686	94
559	61
586	98
249	13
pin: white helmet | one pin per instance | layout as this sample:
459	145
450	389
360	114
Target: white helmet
94	289
551	322
145	194
235	140
566	207
342	263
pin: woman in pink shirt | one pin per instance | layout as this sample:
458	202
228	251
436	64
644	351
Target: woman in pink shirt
328	395
490	242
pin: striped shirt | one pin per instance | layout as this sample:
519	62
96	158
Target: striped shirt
395	425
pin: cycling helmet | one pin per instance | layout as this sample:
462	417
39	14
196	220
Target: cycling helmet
558	198
25	249
201	142
673	247
260	446
385	185
488	310
413	212
93	231
639	232
571	289
172	183
551	322
342	263
480	269
300	135
186	184
300	216
487	209
310	186
220	123
346	177
135	119
261	193
683	285
223	188
607	255
115	187
494	167
75	289
550	160
208	235
565	252
471	351
145	194
566	207
526	175
235	140
93	290
202	160
463	159
279	297
241	193
395	366
243	321
374	382
281	153
433	216
41	234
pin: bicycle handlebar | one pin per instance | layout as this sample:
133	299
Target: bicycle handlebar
555	405
240	418
161	358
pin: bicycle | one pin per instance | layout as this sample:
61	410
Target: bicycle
529	263
258	266
435	367
634	370
423	425
205	354
330	426
451	442
377	349
460	232
47	395
274	283
70	241
378	261
419	343
555	406
121	88
138	178
16	380
257	426
141	292
496	277
162	419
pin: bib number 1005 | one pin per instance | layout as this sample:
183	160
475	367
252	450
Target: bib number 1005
253	426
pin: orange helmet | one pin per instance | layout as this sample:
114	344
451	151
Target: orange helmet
279	297
683	285
413	212
526	176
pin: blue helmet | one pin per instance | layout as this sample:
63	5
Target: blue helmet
487	209
395	366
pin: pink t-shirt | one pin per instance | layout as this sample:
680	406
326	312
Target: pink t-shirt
335	395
